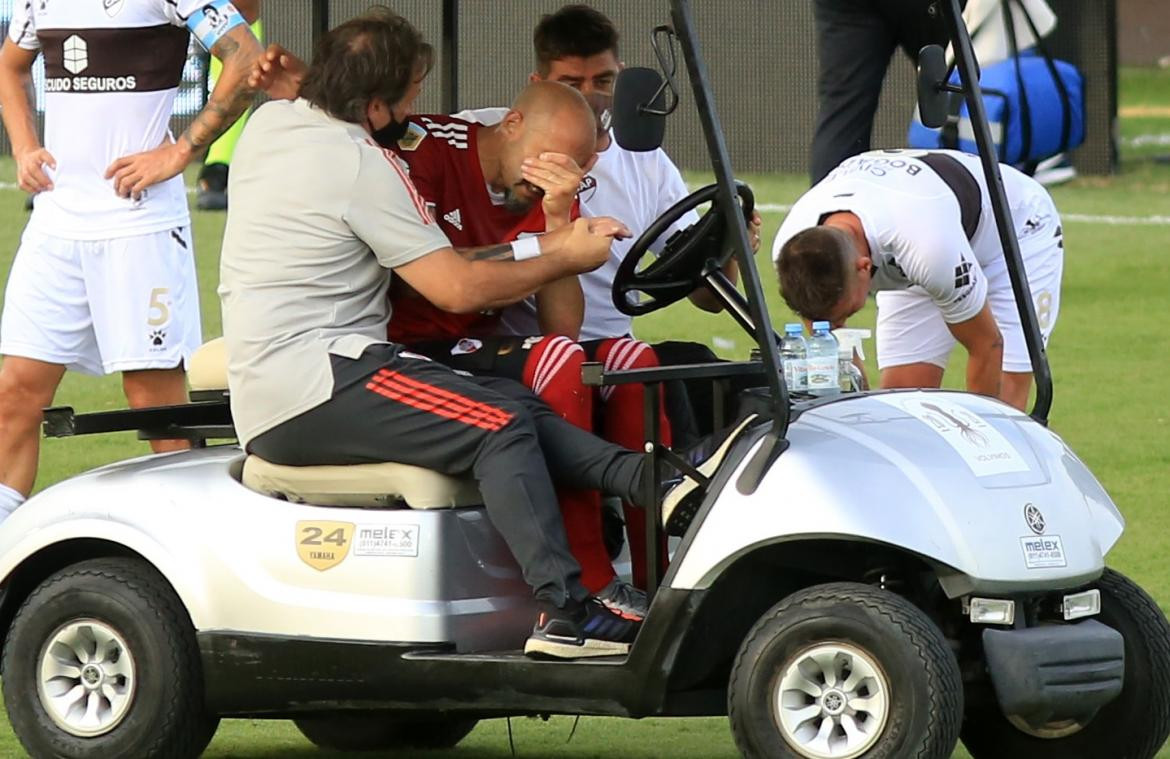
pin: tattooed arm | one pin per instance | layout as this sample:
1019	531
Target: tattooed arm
501	252
249	9
232	95
558	311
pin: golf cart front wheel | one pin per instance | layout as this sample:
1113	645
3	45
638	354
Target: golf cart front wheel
385	731
101	661
1135	725
841	671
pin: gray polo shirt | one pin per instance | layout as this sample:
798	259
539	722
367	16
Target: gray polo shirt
319	213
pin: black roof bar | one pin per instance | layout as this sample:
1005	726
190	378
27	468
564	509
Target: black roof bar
727	198
969	71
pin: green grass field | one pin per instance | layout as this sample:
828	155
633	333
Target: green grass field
1110	354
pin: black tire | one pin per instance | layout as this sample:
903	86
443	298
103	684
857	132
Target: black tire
926	705
1134	726
385	731
166	715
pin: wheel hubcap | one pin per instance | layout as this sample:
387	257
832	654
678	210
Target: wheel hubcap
832	701
86	682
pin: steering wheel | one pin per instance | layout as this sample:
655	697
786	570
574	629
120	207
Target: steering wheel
687	255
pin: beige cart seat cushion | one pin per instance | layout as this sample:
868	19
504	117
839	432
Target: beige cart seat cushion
360	485
208	369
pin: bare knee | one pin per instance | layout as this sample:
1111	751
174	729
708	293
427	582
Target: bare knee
19	409
155	387
24	393
1015	389
912	375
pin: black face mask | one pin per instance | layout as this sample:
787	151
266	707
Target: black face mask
389	135
602	105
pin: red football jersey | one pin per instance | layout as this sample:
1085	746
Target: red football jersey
444	165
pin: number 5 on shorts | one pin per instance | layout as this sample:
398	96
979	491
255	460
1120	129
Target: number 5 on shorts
157	304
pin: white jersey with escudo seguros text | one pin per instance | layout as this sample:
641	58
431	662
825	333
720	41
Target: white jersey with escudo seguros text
112	68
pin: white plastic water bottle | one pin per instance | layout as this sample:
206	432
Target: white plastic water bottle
822	361
793	356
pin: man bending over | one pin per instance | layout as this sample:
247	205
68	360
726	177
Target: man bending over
916	228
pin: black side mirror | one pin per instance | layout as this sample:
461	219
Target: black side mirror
639	100
933	92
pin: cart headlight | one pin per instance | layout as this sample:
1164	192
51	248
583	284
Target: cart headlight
1080	605
991	611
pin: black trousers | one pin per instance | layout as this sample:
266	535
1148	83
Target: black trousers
392	407
855	41
507	357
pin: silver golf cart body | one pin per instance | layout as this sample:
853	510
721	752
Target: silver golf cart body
383	590
884	469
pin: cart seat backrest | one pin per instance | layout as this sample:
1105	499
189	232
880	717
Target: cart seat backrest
208	367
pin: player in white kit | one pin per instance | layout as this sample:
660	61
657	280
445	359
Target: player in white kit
104	280
577	45
916	227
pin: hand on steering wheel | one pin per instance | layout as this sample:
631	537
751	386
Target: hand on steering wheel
686	257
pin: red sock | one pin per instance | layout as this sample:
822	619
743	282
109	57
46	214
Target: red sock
553	371
624	426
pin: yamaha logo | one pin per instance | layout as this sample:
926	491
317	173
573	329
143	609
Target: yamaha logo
1034	519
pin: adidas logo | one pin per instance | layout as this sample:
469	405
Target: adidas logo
454	219
454	132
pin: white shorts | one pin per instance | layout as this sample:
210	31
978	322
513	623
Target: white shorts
911	330
103	306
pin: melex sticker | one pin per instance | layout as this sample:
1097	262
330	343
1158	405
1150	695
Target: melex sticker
1043	551
323	545
386	540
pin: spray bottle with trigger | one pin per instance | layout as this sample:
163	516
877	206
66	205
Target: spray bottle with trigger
852	379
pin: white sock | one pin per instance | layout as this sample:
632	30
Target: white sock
9	500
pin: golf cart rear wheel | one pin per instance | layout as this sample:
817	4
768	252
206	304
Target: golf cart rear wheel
385	731
845	670
101	661
1134	726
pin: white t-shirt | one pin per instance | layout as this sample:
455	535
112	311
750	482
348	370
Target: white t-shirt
915	223
635	188
112	69
319	213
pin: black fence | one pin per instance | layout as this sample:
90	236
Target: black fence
760	54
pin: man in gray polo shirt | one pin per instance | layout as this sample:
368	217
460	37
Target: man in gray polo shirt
320	212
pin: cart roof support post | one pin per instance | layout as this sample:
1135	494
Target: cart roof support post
319	18
727	197
449	73
969	71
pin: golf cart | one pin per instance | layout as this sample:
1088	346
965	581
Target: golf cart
953	583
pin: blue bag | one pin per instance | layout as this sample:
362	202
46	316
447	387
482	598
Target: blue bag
1035	105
